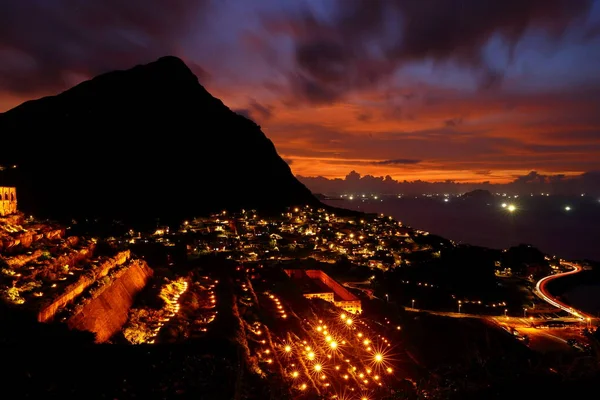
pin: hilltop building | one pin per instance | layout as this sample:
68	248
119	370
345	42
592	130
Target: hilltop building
8	201
316	283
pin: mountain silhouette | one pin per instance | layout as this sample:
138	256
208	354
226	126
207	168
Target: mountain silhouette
146	142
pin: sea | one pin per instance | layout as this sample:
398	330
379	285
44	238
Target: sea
568	227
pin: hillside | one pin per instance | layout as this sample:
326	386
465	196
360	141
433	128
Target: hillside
146	142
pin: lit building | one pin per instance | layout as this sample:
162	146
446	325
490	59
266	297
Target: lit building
8	200
317	284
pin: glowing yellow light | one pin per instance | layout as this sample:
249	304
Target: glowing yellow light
311	356
288	348
349	321
328	339
366	342
343	316
303	386
378	357
389	370
318	367
333	345
295	374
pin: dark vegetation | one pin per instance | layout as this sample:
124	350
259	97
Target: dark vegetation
440	278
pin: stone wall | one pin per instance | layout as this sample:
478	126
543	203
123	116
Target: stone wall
48	312
72	258
108	311
26	239
13	219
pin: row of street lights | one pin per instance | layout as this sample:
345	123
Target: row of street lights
459	303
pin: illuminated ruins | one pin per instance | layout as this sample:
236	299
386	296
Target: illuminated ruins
8	201
317	284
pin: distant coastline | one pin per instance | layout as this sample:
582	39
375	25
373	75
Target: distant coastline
540	221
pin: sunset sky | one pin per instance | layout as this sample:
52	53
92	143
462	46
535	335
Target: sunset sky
466	90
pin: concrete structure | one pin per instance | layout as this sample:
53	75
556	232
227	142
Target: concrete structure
8	201
316	283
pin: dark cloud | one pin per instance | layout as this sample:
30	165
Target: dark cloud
256	111
43	43
532	182
453	122
398	161
369	39
243	112
261	112
364	117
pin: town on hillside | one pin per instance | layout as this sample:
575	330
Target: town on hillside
308	303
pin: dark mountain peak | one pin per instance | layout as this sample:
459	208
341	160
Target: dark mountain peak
171	62
168	68
482	194
148	141
166	81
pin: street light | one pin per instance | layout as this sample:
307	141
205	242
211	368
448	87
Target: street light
505	311
459	305
524	313
413	303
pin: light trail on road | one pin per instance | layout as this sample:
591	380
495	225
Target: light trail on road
541	292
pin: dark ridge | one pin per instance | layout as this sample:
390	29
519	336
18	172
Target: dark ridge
478	194
145	142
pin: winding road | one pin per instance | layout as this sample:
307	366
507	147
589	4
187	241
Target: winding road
542	292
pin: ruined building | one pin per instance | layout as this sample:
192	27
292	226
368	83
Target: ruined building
8	200
316	283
